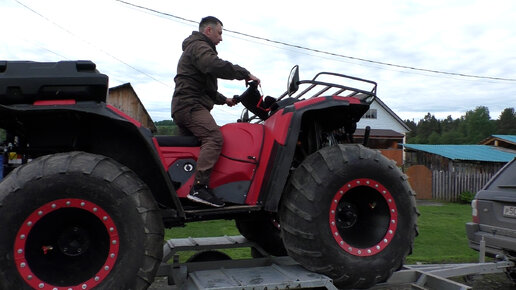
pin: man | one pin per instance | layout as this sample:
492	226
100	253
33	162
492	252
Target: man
194	97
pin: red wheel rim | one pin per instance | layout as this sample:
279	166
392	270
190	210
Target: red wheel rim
79	206
363	199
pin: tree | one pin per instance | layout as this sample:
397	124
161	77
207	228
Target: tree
478	125
425	127
434	138
166	127
506	123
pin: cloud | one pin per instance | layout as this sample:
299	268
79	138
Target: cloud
142	47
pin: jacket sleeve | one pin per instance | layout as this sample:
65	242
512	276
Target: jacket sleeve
208	62
220	99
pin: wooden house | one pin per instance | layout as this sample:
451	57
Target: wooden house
501	141
125	99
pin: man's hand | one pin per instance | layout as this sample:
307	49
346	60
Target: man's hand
254	78
230	102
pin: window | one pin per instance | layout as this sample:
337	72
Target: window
370	114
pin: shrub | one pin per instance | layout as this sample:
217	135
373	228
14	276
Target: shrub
466	196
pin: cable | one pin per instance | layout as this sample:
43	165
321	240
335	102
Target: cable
89	43
322	51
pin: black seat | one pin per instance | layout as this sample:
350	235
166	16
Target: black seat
178	141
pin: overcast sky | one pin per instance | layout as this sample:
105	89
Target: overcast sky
133	45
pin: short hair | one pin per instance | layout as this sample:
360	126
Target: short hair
209	20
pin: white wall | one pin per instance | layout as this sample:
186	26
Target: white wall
384	120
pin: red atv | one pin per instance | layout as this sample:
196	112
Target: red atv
88	204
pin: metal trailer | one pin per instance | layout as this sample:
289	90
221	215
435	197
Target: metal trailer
210	271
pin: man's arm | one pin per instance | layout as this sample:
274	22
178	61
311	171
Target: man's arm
208	62
253	78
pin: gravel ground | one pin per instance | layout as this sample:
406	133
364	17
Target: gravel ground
490	282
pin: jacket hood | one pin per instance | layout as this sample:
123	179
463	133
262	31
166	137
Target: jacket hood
197	36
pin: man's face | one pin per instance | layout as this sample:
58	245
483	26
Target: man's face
214	33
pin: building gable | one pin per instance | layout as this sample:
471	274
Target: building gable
380	116
125	99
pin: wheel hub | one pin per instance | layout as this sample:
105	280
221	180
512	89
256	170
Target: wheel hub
347	215
71	243
74	241
363	217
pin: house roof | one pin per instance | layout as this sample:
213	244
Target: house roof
507	138
466	152
130	87
391	112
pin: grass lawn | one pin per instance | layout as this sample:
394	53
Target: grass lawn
442	235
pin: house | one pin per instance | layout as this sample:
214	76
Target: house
387	130
445	171
502	141
125	99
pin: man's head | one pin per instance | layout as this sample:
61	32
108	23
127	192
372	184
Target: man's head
212	28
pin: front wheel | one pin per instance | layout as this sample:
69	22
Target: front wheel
77	221
349	213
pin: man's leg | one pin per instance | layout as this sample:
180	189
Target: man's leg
201	124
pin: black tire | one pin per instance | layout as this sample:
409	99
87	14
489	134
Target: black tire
349	213
208	256
79	221
263	229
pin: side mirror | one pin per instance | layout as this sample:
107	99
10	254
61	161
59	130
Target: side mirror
293	81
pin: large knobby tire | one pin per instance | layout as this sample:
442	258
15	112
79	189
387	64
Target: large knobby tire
263	229
77	221
349	213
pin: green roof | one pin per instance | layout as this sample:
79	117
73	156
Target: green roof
466	152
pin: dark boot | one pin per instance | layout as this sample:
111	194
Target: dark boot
203	194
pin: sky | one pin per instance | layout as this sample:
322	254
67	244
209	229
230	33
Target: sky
398	44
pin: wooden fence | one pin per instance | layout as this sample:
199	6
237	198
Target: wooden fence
448	185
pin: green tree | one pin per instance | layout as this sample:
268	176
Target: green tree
166	127
425	127
413	129
434	138
506	123
478	125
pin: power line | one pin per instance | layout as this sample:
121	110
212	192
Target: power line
322	51
103	51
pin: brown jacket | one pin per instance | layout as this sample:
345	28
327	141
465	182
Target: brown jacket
197	73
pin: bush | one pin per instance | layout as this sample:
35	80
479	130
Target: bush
466	196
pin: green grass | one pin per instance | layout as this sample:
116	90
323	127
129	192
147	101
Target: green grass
442	235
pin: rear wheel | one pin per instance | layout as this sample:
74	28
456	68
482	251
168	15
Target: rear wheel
79	221
349	213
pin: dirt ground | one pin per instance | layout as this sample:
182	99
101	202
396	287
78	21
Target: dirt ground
490	282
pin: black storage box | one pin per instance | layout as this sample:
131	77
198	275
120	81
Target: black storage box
24	82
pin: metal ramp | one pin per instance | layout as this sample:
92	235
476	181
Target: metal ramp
275	276
269	272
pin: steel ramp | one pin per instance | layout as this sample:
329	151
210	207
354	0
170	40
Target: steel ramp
268	277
